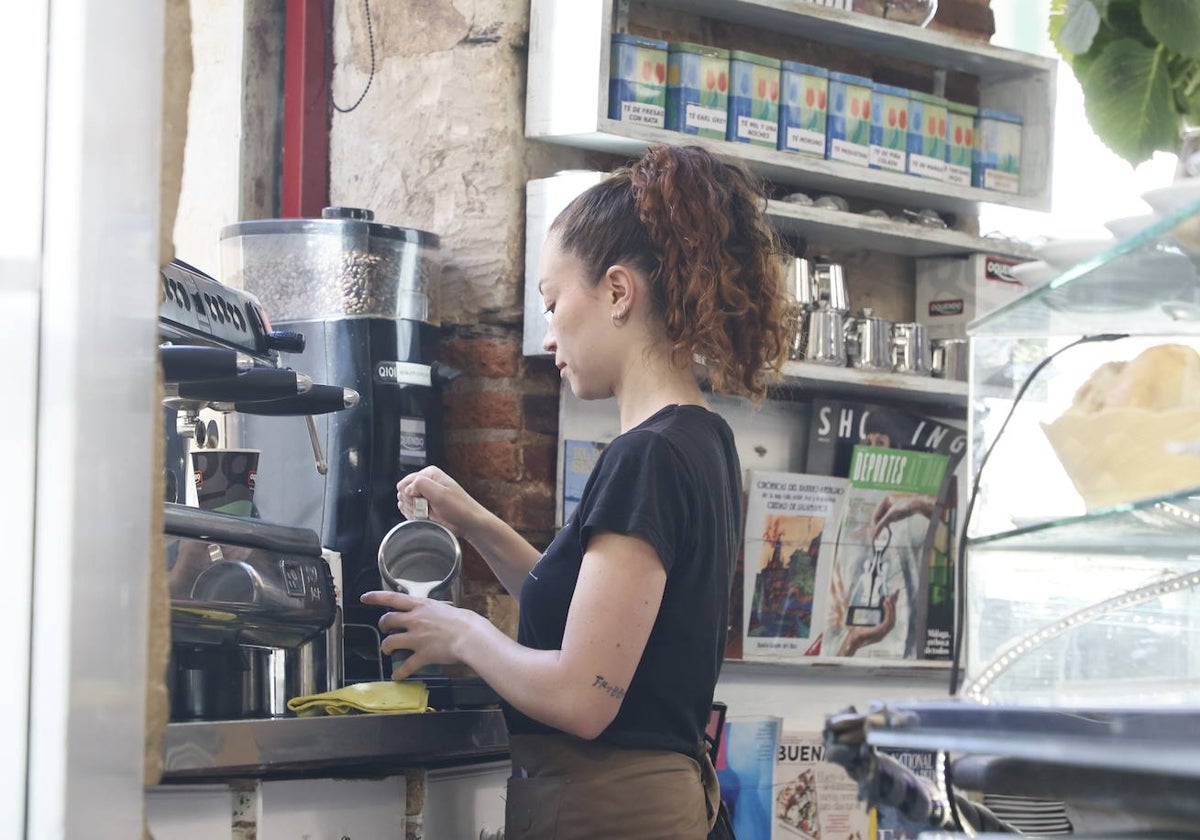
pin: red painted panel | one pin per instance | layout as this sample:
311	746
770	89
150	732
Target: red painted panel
306	112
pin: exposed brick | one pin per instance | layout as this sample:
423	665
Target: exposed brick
474	567
540	376
500	500
541	413
484	410
965	18
492	358
540	460
485	460
537	509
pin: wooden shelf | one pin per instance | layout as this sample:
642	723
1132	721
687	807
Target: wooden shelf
567	99
852	382
868	233
867	33
936	667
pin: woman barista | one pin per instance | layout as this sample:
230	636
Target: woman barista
608	687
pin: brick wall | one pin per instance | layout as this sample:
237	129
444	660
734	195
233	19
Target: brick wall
501	444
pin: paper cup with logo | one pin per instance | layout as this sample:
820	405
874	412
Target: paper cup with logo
224	479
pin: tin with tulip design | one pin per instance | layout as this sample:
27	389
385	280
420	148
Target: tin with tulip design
637	87
697	89
960	143
804	91
849	126
927	135
753	99
889	128
998	151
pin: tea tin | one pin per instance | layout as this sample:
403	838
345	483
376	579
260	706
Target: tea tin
753	99
637	86
697	89
998	151
804	91
960	143
927	135
889	128
849	124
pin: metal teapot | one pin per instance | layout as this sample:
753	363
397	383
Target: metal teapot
868	341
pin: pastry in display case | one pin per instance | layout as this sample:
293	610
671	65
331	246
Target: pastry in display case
1076	670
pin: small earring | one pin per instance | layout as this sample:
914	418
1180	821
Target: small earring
618	315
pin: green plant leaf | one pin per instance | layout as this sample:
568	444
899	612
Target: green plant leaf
1187	92
1175	23
1128	100
1124	18
1073	26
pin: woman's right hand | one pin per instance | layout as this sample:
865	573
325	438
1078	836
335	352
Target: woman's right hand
449	504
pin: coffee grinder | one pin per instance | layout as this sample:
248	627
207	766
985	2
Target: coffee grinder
365	296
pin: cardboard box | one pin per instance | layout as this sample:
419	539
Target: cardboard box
953	291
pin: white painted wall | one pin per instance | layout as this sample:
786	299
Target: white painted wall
210	198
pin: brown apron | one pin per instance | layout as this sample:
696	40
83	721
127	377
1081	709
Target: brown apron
566	788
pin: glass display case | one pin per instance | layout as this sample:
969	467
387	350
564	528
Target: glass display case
1077	674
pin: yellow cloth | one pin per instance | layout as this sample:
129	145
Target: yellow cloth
388	697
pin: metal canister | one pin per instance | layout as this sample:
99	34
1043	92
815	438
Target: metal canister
868	341
910	349
803	294
826	342
830	282
951	358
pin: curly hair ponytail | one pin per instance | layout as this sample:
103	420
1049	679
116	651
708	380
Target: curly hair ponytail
695	226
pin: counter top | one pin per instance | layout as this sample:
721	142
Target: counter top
346	744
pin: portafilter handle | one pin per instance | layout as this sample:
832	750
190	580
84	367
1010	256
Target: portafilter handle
252	386
188	363
318	399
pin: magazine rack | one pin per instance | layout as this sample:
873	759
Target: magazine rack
1078	677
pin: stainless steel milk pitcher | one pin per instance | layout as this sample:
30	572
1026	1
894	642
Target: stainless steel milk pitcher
868	341
826	343
910	349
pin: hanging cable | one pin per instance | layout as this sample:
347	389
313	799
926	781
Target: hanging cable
370	76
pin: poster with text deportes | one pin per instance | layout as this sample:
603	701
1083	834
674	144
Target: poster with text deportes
878	581
838	426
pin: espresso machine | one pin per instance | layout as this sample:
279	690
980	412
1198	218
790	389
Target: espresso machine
365	296
252	600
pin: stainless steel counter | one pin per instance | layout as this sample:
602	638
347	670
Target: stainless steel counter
346	744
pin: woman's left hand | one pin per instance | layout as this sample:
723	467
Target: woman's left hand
430	629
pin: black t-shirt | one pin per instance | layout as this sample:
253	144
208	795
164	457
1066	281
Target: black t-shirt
675	481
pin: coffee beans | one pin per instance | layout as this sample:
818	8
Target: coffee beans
297	278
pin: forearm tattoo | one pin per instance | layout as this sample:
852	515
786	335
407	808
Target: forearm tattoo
611	690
